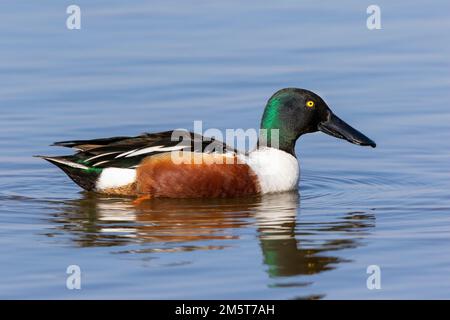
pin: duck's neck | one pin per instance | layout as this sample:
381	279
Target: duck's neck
277	139
274	131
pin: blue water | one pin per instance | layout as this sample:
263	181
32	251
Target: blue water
158	65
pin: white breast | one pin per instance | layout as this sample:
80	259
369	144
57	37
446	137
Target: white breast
277	170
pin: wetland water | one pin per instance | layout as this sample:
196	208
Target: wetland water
154	66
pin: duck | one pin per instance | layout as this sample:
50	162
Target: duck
182	164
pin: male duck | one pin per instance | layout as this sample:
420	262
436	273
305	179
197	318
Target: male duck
144	165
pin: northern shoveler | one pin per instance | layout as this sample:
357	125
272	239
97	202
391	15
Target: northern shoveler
144	165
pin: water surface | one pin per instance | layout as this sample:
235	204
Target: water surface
159	65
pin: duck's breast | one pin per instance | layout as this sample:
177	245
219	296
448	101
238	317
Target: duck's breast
277	170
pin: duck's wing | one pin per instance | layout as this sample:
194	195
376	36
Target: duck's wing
128	152
85	145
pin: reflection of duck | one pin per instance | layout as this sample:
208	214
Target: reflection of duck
287	244
159	165
160	221
289	247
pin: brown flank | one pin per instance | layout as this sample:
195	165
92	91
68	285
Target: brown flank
158	176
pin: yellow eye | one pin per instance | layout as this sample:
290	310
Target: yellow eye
310	103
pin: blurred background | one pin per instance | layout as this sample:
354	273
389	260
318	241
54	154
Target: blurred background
148	66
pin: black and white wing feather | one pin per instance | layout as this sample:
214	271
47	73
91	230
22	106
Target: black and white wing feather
128	152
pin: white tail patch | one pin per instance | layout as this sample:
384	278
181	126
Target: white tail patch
115	178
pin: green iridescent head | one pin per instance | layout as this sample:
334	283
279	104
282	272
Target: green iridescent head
291	112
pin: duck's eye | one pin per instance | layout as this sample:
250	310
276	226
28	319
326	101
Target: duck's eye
310	103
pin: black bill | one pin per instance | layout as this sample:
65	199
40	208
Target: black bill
338	128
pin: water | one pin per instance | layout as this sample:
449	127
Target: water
163	64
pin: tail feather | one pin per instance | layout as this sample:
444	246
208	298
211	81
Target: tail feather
63	161
82	175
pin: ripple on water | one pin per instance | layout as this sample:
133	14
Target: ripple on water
340	189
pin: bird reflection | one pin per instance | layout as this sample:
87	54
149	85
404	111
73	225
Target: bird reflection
292	247
291	244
